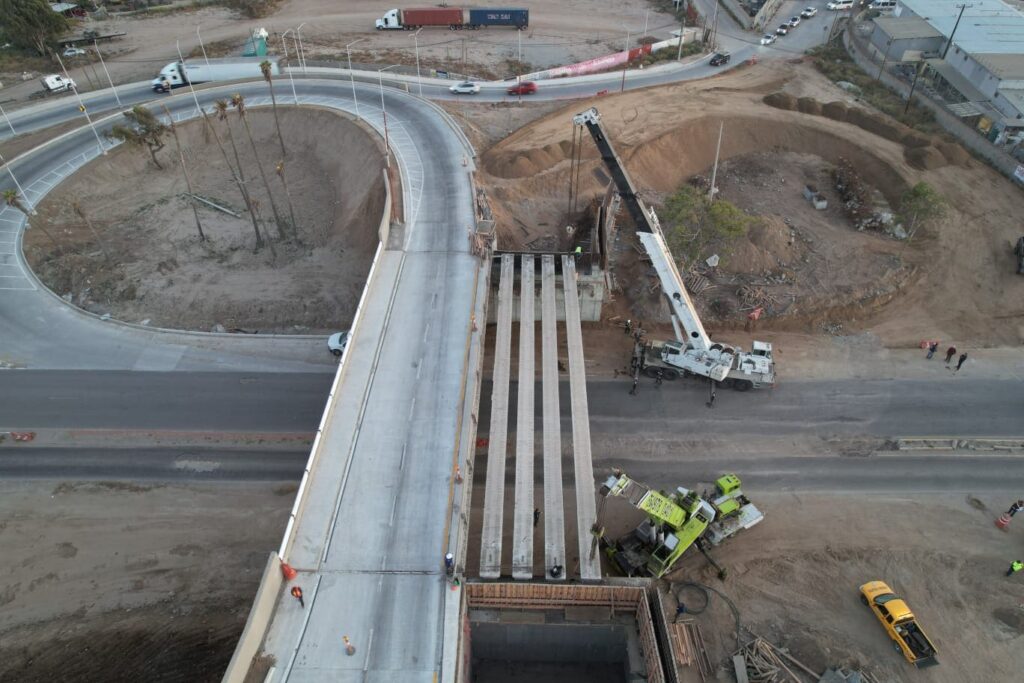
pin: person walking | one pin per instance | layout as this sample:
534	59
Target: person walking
1015	508
950	352
636	382
629	327
960	362
932	348
536	516
1015	567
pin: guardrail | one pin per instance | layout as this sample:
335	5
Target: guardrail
256	624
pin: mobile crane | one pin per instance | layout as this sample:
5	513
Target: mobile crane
675	522
694	354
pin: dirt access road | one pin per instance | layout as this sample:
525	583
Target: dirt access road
560	32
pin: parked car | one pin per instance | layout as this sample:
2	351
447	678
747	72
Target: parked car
809	12
720	58
783	30
523	88
768	38
337	342
72	52
794	22
465	88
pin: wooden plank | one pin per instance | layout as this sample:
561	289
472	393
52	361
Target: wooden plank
586	506
494	491
739	665
554	504
522	529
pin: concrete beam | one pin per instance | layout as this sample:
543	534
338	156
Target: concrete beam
554	506
494	491
522	530
586	507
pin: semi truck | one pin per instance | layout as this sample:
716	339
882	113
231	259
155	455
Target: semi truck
177	74
55	83
454	18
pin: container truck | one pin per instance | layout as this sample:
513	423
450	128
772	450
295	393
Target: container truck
454	18
56	83
177	74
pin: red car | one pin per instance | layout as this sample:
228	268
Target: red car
524	88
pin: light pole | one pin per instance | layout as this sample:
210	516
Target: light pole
201	46
416	42
302	54
8	120
81	104
625	65
351	76
184	76
21	191
922	65
647	18
291	77
885	56
111	82
957	24
384	114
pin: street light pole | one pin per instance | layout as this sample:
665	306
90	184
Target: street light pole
302	54
8	120
111	82
885	56
647	18
201	46
81	104
291	77
351	76
922	65
625	65
21	190
416	42
384	114
957	24
184	76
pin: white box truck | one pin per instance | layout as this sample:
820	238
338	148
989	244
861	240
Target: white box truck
177	74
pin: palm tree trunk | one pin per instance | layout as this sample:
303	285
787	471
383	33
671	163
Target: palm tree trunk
188	179
16	203
81	214
238	181
288	196
263	175
277	121
238	160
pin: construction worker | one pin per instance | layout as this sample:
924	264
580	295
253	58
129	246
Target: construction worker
1015	508
1015	567
449	564
576	254
297	594
629	327
536	516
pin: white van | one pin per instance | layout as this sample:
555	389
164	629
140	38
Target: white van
883	5
840	4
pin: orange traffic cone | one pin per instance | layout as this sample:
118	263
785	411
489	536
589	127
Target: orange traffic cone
1003	521
287	571
350	649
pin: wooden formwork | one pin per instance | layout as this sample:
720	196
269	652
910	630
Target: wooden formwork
555	596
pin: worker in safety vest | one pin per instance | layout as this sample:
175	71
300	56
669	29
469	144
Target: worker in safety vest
1015	567
297	594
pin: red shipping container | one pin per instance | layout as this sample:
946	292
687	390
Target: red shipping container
432	16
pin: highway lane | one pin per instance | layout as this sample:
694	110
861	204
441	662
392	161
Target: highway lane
292	402
880	474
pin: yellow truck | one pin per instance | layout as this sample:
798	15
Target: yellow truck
899	622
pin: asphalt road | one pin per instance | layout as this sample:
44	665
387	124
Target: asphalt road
293	402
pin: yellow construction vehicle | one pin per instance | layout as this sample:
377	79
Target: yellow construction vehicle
899	622
675	522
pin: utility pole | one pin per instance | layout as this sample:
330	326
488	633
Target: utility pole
917	74
885	56
625	65
714	170
957	24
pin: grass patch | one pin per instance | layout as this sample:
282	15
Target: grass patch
833	61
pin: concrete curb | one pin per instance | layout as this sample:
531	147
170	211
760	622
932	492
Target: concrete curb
155	438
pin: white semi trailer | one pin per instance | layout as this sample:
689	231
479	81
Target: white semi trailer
177	74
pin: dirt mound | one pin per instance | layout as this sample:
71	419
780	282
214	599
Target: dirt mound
523	164
781	100
916	140
837	111
770	244
954	153
163	273
924	158
809	105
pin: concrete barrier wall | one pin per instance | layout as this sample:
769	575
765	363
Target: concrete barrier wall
385	221
257	623
767	13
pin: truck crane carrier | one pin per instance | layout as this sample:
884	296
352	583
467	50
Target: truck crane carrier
695	353
675	522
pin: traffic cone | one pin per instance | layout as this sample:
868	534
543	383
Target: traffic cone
350	649
1003	521
287	571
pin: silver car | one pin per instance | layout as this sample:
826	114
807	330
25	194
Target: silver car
465	88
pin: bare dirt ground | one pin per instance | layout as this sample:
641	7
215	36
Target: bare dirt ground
121	582
955	282
160	271
559	33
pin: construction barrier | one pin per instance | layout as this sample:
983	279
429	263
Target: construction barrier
1003	521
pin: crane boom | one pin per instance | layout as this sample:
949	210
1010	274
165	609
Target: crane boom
675	290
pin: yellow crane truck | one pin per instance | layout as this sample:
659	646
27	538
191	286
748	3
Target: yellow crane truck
899	622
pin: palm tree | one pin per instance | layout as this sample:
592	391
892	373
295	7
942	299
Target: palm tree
265	68
222	115
287	193
80	212
12	199
238	181
238	102
188	178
